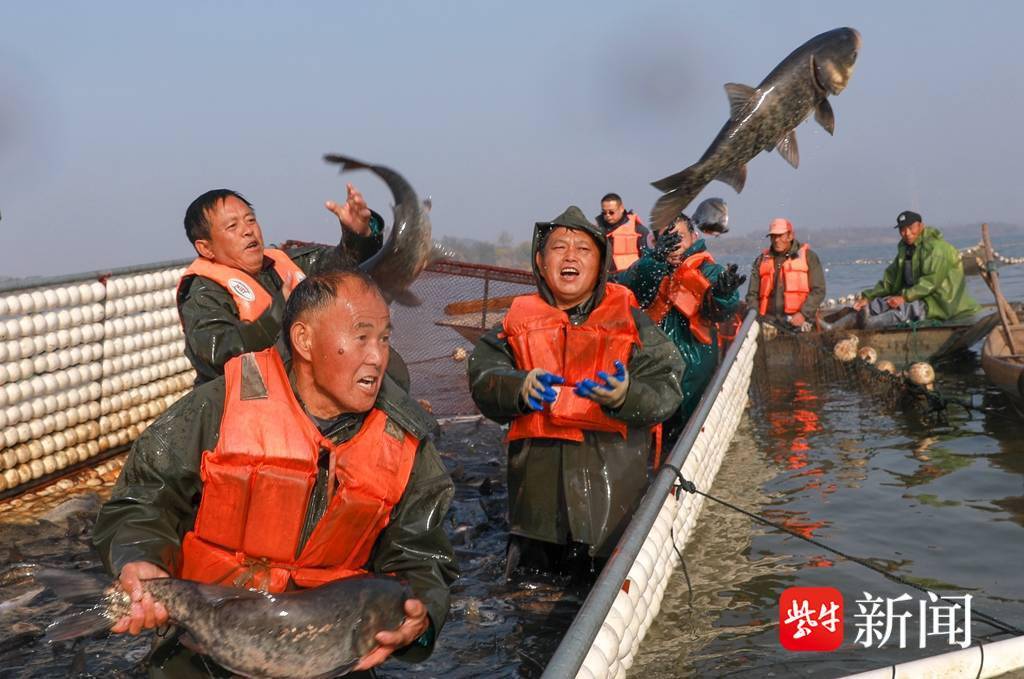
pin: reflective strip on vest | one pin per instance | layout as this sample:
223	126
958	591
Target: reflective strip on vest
684	290
541	336
796	280
625	244
258	480
249	296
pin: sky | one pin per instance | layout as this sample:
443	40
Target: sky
115	115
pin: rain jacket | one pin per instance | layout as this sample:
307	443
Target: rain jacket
213	331
938	278
776	304
562	490
701	359
155	500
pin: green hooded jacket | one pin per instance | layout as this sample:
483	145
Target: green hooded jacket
938	278
586	492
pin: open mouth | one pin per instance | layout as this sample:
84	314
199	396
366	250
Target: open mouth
254	245
369	382
569	272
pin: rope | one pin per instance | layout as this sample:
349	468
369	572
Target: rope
690	487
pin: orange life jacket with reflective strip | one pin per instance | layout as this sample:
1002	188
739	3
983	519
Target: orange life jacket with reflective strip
796	280
625	243
541	336
249	296
684	290
258	480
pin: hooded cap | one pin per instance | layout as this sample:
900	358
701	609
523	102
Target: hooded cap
571	218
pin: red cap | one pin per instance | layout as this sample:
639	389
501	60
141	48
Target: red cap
780	226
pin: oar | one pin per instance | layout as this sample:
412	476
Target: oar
1006	313
475	306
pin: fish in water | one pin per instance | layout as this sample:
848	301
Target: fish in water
302	634
712	216
765	117
409	245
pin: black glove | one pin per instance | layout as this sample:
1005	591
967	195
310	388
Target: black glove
665	244
728	281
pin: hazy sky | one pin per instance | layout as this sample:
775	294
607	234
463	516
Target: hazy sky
114	116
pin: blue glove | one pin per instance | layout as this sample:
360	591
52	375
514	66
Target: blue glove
536	389
612	393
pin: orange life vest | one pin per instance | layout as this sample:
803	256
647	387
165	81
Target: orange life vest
541	336
796	280
684	290
249	296
625	243
258	480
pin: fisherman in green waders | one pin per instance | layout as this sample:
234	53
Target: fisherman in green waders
686	293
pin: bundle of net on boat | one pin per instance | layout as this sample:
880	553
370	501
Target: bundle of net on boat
460	301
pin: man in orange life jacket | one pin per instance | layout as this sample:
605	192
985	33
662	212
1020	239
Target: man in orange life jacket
686	293
261	478
627	235
787	282
232	296
581	375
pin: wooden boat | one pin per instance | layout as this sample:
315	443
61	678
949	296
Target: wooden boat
1004	367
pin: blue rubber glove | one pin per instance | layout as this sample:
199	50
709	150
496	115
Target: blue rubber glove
536	389
612	393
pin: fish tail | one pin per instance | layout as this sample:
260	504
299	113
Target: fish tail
73	586
80	624
78	587
677	180
346	162
668	207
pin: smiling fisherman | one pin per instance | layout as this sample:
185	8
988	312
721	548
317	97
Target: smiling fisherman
582	376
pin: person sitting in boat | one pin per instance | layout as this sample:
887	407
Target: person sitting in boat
686	293
626	233
262	478
231	298
582	376
925	281
787	281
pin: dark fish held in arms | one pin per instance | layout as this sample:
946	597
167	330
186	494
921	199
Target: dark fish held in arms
712	216
765	118
303	634
409	245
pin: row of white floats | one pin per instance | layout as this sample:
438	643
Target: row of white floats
115	287
18	327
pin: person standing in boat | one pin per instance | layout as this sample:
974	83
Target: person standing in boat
278	476
686	293
231	298
583	378
787	281
925	281
627	235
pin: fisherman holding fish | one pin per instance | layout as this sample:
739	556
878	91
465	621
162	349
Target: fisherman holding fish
583	378
686	293
626	234
277	476
924	281
787	281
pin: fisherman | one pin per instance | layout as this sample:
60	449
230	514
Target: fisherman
626	233
582	376
278	476
787	281
686	293
924	282
231	298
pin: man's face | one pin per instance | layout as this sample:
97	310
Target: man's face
569	264
612	211
781	242
235	237
349	345
686	239
911	232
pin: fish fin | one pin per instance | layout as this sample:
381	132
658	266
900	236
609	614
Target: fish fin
406	298
739	95
735	177
73	586
428	203
674	181
440	251
80	624
346	162
788	150
825	117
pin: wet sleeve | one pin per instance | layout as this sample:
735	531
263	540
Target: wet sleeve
935	266
214	333
886	286
644	278
153	502
494	380
817	294
655	375
415	547
754	284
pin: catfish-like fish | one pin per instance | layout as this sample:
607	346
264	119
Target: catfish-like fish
303	634
712	216
765	117
409	246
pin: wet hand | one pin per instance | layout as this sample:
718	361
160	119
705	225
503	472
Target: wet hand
145	612
354	214
412	628
797	319
728	281
537	388
612	393
895	302
665	244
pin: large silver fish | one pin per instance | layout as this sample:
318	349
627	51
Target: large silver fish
303	634
765	118
712	216
409	245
